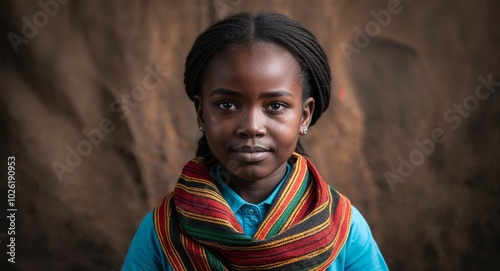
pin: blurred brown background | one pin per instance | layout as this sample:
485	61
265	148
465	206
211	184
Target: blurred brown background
93	108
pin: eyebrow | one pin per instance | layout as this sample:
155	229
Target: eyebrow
275	93
225	91
269	94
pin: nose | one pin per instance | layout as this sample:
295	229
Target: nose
252	124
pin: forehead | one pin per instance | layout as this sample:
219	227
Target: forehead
255	67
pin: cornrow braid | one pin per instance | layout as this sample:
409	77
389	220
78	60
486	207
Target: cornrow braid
245	28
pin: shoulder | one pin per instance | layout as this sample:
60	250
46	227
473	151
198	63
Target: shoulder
360	230
361	250
145	252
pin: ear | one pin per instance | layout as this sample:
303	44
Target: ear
307	112
198	105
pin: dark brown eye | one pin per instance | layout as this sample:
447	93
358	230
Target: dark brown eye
226	105
276	106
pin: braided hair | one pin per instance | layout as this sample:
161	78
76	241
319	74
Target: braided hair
245	28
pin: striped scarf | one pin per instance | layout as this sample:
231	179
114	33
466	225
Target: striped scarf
305	228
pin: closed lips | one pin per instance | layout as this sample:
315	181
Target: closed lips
251	154
251	149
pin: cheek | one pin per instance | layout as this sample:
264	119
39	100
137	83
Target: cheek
216	127
287	132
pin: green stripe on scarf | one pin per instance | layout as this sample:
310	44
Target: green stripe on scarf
291	207
216	236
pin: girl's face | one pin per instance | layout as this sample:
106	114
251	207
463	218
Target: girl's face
252	111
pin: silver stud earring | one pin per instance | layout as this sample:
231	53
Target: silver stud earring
304	131
201	128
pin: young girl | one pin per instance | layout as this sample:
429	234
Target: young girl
250	200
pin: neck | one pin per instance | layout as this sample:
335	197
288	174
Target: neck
257	190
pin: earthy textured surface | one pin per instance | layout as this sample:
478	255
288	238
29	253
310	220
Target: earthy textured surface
91	65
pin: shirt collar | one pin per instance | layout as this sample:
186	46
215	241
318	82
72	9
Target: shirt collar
234	200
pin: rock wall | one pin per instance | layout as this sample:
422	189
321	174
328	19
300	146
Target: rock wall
93	108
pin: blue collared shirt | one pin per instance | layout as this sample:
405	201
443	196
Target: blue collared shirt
359	253
249	215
